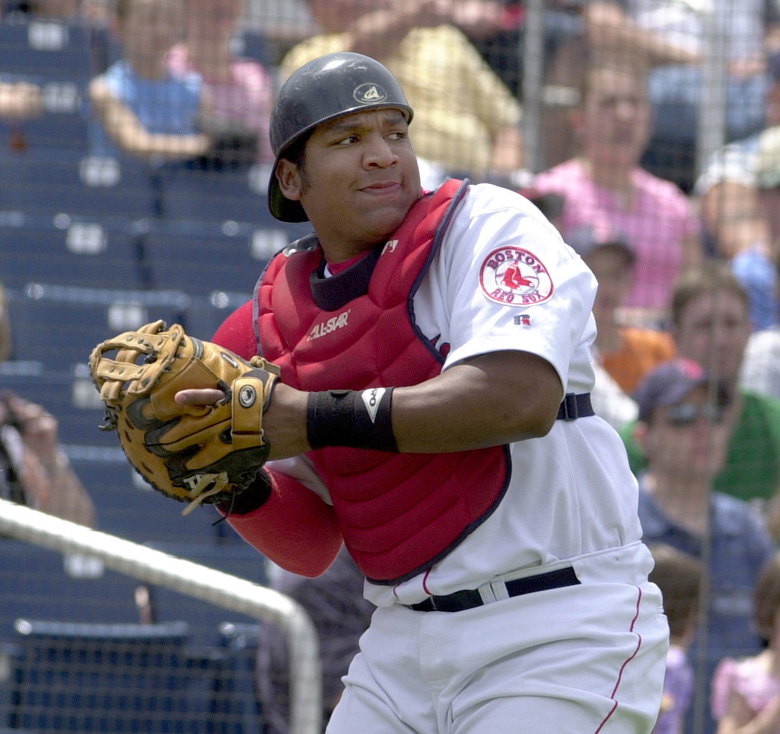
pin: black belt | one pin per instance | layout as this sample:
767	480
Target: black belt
575	406
468	599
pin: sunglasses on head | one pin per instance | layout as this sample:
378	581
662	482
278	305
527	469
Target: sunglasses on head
686	413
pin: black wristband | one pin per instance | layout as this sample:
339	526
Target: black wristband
356	418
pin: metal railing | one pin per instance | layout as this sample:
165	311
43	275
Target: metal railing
195	580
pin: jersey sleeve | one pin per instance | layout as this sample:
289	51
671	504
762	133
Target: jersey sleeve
509	282
294	528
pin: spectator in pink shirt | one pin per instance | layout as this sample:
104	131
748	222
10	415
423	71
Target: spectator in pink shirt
605	188
241	91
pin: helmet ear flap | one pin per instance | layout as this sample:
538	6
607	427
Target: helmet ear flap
325	88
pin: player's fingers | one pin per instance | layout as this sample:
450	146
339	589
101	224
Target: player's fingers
200	396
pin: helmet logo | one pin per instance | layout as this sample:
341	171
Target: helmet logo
369	93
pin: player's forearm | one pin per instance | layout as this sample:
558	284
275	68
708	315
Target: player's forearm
54	489
491	400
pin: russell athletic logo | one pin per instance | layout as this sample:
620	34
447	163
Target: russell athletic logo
326	327
370	93
515	277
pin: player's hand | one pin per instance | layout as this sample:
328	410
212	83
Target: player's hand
203	396
284	421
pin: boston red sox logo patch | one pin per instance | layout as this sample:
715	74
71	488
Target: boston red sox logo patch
514	276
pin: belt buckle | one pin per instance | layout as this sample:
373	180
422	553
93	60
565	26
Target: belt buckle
570	409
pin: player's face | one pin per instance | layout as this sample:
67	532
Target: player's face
358	181
616	117
688	439
714	330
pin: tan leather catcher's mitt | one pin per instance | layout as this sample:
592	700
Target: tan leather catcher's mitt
194	454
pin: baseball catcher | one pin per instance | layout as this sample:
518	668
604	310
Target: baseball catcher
193	453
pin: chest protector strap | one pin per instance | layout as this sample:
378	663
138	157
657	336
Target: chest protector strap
399	513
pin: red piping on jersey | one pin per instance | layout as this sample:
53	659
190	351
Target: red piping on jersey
398	513
625	663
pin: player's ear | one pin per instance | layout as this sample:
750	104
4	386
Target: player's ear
289	178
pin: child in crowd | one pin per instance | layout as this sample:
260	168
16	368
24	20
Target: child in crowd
678	575
144	110
240	90
746	691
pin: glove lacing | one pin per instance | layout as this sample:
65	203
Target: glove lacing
199	493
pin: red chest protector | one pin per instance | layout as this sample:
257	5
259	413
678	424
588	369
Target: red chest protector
399	513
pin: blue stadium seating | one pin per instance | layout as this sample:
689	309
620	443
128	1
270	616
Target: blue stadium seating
206	313
77	184
200	257
59	325
119	678
36	582
108	678
44	50
62	249
67	394
131	509
192	194
61	58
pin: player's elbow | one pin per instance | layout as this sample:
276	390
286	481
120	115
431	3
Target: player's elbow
533	422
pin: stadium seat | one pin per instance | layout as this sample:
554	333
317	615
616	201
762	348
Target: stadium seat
61	58
63	126
37	582
199	258
60	325
41	50
117	189
61	249
206	313
130	508
206	195
69	395
80	678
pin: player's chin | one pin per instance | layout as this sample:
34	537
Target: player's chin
386	215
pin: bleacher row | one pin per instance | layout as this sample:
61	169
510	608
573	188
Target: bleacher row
91	246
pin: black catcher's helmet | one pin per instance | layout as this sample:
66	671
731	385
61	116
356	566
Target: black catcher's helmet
328	87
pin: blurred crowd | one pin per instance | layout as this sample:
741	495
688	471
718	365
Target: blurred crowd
686	249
